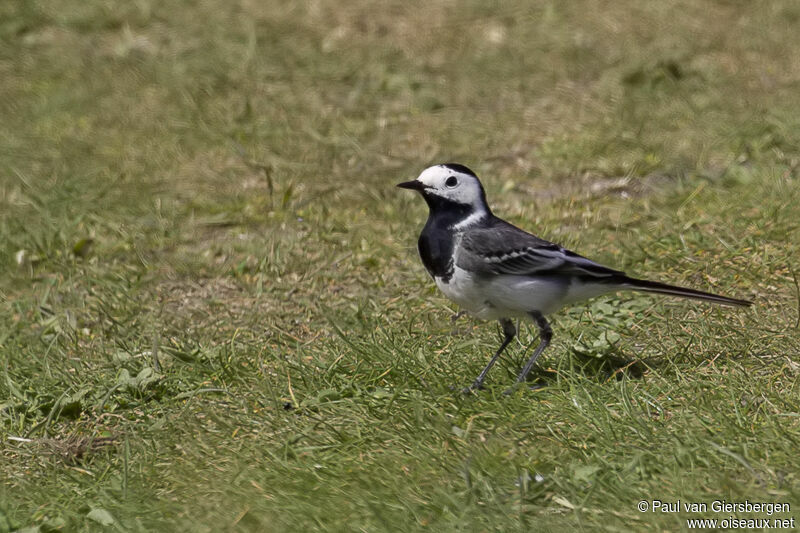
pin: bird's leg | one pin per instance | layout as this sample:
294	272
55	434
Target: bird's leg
509	331
545	334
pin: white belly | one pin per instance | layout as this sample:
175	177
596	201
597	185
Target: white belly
466	291
507	296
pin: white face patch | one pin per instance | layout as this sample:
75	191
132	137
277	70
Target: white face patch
453	185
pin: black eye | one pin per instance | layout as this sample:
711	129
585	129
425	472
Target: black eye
452	181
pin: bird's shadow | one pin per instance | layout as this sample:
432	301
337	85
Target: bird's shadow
601	369
610	366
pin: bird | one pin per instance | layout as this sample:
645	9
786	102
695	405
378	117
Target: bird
497	271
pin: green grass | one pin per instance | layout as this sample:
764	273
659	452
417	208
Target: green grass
198	227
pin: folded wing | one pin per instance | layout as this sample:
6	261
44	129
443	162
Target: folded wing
501	248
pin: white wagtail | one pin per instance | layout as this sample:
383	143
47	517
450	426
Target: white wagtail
497	271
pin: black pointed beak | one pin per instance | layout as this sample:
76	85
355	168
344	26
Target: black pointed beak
414	185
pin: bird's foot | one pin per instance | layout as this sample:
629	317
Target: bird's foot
472	388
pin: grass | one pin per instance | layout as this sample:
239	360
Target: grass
212	315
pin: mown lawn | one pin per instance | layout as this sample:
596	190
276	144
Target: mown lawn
213	317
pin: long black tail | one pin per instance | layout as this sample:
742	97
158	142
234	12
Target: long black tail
662	288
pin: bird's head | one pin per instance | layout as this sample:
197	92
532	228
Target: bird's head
450	186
